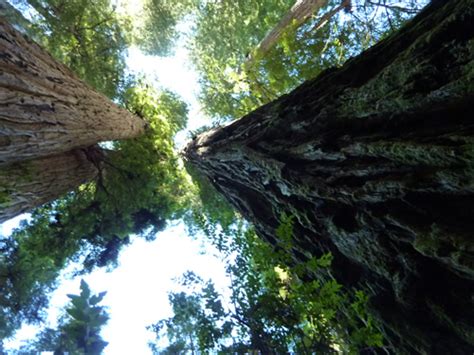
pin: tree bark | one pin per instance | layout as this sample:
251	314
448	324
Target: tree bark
45	110
376	162
30	184
299	13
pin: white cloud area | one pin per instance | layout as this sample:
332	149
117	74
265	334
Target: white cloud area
137	289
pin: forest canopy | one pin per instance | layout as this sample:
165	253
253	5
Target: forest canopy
281	298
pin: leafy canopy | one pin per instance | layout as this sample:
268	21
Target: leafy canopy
78	331
275	305
156	33
86	35
230	87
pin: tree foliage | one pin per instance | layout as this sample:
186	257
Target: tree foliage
230	88
275	305
157	33
78	331
195	325
86	35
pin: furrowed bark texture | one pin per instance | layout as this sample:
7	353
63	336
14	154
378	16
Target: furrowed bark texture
45	109
30	184
376	162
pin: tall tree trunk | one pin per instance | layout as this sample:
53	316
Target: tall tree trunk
29	184
376	162
299	13
45	109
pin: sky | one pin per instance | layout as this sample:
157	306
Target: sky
137	290
174	73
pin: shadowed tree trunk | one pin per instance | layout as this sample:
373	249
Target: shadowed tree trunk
45	110
376	162
29	184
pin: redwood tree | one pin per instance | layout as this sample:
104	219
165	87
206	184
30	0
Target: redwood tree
46	109
50	123
376	162
26	185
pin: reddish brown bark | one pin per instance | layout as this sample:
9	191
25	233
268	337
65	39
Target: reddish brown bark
29	184
46	110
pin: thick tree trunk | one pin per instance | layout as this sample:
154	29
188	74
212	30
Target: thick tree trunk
29	184
46	110
299	13
376	161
